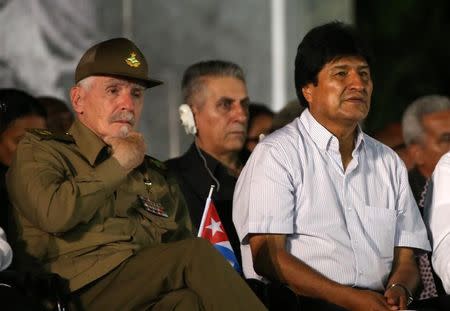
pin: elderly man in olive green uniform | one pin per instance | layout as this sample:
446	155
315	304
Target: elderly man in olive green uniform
92	207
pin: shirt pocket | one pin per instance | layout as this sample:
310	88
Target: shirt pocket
379	226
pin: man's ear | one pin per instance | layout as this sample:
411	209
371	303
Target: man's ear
415	151
194	108
307	92
75	98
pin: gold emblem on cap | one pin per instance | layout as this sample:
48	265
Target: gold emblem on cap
132	61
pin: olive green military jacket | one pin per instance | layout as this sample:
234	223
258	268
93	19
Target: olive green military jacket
77	211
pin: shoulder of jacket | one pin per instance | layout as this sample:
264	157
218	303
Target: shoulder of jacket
155	163
42	134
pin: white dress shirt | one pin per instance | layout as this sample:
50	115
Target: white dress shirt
437	215
344	224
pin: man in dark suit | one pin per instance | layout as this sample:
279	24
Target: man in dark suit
215	111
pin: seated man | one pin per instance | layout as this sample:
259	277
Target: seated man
438	220
90	206
426	132
321	206
216	101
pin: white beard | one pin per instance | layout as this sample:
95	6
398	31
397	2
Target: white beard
124	130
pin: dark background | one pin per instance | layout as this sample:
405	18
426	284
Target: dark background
410	40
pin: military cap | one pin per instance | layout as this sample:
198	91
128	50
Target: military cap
115	57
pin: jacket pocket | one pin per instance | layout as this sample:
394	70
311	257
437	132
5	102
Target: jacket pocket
155	226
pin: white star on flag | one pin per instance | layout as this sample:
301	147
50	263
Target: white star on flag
214	226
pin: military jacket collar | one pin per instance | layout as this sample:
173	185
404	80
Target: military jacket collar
92	147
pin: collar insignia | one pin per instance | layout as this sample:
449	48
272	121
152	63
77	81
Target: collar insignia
43	132
132	61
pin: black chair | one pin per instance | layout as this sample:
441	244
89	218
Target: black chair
275	296
26	291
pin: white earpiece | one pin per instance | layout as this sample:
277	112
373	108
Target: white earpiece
187	119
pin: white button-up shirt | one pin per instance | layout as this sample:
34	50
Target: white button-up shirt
342	223
437	213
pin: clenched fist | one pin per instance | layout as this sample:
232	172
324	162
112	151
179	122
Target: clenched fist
128	150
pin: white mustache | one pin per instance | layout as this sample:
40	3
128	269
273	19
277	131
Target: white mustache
123	116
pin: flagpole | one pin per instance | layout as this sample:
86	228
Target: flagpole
205	211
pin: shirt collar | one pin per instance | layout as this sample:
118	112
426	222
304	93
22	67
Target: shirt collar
323	138
360	142
91	146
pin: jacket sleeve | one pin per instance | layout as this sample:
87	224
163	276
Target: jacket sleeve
44	190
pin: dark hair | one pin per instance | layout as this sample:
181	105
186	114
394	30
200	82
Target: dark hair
59	116
257	109
191	82
15	104
322	45
53	104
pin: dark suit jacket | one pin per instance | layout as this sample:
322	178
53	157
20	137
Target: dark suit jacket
195	183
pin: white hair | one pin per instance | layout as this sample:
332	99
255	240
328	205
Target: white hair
413	130
86	83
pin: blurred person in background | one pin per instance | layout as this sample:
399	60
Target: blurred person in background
287	114
426	132
260	119
59	116
19	111
392	136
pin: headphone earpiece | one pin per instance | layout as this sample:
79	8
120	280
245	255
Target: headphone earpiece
187	119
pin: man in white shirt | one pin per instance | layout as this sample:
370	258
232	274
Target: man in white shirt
322	207
438	220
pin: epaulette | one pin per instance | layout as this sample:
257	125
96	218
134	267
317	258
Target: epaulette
48	135
155	163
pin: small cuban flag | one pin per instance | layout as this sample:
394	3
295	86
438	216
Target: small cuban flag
211	229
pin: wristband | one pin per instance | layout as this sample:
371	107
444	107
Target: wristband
406	289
